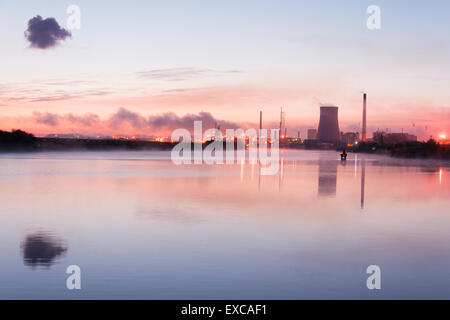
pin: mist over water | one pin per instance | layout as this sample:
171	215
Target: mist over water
141	227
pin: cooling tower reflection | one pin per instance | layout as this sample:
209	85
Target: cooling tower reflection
327	177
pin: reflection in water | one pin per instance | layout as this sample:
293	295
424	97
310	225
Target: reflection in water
280	174
363	181
434	170
431	169
164	231
327	177
259	176
42	249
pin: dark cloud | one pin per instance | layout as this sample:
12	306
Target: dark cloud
168	120
49	119
172	121
124	116
87	120
45	33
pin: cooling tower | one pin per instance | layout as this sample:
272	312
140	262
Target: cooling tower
328	125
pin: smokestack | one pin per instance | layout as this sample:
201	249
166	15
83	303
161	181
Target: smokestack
285	132
260	120
364	123
281	121
328	125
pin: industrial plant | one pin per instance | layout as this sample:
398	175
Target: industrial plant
328	135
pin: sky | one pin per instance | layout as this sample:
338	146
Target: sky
148	67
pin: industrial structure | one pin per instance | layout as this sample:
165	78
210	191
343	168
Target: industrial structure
260	120
382	137
312	134
349	138
364	120
282	122
328	125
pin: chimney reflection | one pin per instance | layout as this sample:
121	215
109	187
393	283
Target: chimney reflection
281	174
327	177
363	181
42	250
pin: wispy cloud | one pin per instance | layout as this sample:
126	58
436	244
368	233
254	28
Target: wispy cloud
53	119
69	96
183	74
47	91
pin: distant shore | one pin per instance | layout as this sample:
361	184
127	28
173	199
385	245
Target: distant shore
20	141
410	149
17	141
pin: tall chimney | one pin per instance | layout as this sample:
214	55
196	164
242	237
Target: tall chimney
364	121
260	120
281	121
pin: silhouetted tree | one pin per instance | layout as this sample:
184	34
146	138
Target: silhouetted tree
431	147
16	137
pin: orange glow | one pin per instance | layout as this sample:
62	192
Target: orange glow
442	136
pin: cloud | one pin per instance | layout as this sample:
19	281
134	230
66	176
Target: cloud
124	116
168	120
182	74
45	33
69	96
172	121
49	119
40	91
53	119
87	120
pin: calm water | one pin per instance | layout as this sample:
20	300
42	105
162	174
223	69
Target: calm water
141	227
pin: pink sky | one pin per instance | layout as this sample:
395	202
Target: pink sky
228	61
72	106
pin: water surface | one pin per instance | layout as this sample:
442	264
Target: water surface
141	227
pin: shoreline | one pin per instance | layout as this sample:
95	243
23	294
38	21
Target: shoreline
20	141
